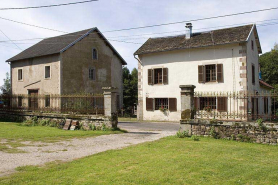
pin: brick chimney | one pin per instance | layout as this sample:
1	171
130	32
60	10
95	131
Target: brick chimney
188	30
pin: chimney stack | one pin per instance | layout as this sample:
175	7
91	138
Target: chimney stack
188	30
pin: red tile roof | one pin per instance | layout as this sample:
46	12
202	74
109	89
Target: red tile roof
265	84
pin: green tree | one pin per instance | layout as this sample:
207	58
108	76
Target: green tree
269	67
130	87
6	88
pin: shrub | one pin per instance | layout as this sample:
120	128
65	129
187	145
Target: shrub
195	138
182	134
213	133
261	124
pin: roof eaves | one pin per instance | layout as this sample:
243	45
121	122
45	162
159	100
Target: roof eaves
175	49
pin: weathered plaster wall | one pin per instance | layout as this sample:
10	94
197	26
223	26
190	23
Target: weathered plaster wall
77	60
183	70
34	71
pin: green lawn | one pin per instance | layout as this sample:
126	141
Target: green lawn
14	133
167	161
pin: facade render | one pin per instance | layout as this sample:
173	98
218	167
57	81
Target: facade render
215	62
75	63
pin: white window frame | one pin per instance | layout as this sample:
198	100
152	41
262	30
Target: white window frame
49	72
21	80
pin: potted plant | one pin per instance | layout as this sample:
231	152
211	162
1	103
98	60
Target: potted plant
163	109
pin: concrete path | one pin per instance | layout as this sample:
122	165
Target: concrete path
40	153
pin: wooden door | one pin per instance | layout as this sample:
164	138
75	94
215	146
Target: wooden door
33	99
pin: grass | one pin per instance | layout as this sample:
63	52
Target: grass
168	161
12	131
13	134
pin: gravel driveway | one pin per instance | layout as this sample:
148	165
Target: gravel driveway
39	153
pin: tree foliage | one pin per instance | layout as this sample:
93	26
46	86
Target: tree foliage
269	67
6	88
130	81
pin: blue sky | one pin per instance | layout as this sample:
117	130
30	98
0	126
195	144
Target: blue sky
117	14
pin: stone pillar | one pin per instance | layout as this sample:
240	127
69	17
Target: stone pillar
187	107
110	100
187	101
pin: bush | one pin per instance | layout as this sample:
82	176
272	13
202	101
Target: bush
213	133
261	124
195	138
182	134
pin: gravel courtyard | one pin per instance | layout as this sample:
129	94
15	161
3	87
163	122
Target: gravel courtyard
39	153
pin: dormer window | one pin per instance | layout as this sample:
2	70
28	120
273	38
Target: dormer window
95	54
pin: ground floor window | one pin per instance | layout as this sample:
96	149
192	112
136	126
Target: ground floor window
47	100
19	101
266	105
207	103
161	103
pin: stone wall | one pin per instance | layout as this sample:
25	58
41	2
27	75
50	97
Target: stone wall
246	132
97	121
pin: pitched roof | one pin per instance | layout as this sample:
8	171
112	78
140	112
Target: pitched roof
59	44
203	39
265	84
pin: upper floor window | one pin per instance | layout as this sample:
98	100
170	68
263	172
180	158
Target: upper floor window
210	73
252	44
20	74
92	75
158	76
95	54
47	72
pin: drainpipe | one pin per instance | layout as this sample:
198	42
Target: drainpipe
137	59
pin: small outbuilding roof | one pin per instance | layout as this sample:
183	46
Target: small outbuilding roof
263	83
59	44
202	39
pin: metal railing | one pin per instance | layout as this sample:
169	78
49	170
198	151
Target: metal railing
80	104
236	105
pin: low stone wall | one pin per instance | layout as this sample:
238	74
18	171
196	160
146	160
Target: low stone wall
246	132
86	120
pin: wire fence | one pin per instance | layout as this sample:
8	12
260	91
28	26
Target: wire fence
79	104
236	105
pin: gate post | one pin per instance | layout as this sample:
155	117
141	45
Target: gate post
187	107
110	100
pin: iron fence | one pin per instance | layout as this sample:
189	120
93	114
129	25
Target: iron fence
81	104
236	105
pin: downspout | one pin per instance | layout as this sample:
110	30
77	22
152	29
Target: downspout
137	59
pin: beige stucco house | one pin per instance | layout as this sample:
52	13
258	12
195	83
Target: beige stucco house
224	60
75	63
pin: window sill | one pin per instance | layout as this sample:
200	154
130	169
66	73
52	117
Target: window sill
47	78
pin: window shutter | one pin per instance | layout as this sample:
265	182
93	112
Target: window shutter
172	104
149	104
150	76
220	73
196	103
222	104
165	75
201	74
